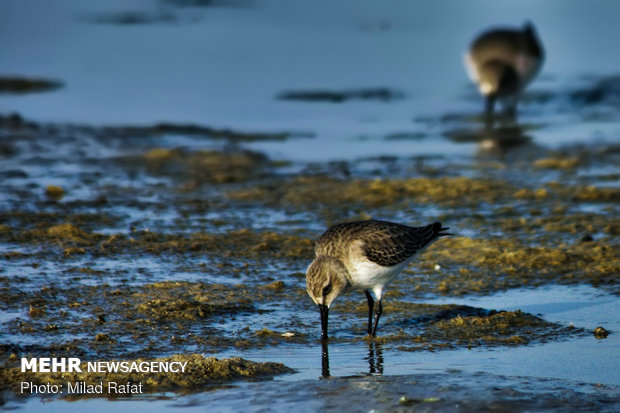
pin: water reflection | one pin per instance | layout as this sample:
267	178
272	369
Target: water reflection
500	137
375	359
503	141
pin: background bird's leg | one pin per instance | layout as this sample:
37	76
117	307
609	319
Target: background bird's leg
376	316
511	107
489	105
371	305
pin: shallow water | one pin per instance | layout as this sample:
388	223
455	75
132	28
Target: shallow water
578	365
582	359
223	67
181	71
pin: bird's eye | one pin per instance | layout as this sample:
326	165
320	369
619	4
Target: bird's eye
327	289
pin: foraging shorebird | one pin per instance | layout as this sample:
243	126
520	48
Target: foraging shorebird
501	62
364	255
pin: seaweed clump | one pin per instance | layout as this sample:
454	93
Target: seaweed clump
491	264
319	190
452	326
174	301
208	166
243	243
503	327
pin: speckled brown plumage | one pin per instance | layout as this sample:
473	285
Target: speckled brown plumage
384	243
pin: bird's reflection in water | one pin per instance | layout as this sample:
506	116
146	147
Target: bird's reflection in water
500	138
375	359
504	141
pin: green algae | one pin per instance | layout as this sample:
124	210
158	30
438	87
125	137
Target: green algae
459	266
487	264
207	166
307	192
190	301
435	327
243	243
505	327
556	163
558	222
310	192
18	222
593	194
67	233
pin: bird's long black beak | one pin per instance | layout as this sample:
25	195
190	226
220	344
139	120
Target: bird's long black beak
324	359
324	313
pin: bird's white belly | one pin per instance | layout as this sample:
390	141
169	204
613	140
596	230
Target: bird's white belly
471	68
526	66
367	275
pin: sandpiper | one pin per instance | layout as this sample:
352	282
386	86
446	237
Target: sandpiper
502	62
364	255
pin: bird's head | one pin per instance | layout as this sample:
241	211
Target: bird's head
326	279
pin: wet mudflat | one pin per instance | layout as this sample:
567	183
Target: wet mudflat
156	250
172	237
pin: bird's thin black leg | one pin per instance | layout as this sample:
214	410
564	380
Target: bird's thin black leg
376	317
371	305
511	109
489	105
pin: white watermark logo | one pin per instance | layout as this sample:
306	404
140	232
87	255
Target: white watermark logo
51	365
75	365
